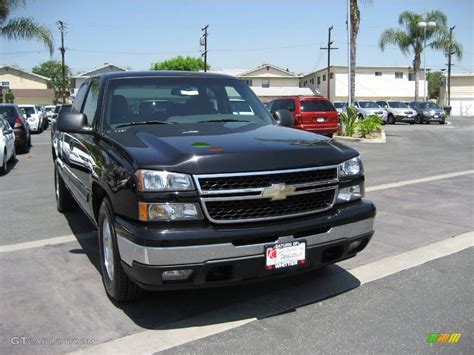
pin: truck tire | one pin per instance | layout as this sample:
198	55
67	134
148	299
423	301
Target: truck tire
391	119
64	200
117	284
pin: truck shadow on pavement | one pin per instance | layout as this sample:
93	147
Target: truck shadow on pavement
198	307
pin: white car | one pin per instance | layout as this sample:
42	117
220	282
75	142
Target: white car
49	109
33	116
366	108
7	144
398	111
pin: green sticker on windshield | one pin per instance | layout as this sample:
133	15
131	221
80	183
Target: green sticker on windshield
201	145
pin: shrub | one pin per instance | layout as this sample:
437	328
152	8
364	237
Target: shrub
349	120
368	126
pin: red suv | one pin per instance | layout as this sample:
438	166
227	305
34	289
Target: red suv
310	113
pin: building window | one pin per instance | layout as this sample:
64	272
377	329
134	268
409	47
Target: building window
331	75
378	73
5	84
265	83
411	76
319	80
398	75
248	82
324	77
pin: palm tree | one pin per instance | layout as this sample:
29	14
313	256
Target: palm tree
411	38
22	27
355	24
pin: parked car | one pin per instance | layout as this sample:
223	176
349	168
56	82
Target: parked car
366	108
428	111
310	113
197	196
49	110
340	106
33	116
44	121
398	111
13	115
7	144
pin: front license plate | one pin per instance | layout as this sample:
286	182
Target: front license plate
285	255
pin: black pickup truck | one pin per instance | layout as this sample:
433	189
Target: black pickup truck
187	190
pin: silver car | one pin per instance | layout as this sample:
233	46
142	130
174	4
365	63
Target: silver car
398	111
367	108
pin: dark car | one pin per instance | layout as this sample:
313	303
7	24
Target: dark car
187	192
310	113
428	111
12	114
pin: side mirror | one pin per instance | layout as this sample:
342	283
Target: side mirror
284	118
72	123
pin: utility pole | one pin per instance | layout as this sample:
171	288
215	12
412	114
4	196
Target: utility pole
62	28
450	53
329	49
204	43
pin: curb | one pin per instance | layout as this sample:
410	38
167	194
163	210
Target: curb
383	139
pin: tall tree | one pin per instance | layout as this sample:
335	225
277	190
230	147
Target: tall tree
410	39
22	27
180	63
355	25
52	69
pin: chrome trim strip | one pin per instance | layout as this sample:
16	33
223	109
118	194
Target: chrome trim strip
254	173
230	221
158	256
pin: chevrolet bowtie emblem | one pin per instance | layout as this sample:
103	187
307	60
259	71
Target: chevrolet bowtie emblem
278	191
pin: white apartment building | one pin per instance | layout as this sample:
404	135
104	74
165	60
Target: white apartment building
269	81
372	82
462	94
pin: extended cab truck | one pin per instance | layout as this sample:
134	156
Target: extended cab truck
186	192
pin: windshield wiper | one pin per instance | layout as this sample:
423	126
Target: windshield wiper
142	123
224	120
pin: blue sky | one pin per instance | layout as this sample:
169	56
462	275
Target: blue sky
242	34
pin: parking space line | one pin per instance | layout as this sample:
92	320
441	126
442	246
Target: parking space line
45	242
417	181
182	332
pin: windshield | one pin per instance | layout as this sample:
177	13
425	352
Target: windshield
30	110
397	104
49	109
368	104
428	104
316	105
339	104
181	100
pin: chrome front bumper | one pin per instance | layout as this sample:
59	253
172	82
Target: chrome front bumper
159	256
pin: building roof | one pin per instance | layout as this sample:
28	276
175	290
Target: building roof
99	70
283	71
460	74
372	67
9	67
282	91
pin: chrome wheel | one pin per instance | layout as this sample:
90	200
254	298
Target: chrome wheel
108	248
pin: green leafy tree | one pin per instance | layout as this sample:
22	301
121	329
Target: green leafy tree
435	81
410	39
180	63
9	97
25	28
52	69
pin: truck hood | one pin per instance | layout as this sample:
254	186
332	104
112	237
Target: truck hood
226	147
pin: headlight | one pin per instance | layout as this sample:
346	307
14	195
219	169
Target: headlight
149	212
426	112
351	193
351	167
149	180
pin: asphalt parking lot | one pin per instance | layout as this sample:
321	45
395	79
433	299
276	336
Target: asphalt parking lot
421	180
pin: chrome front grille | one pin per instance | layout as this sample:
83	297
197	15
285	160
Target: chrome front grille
259	196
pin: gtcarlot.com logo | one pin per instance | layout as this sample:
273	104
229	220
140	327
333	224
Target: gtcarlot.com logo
25	340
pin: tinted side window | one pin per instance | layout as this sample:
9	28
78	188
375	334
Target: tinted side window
287	104
90	106
81	94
